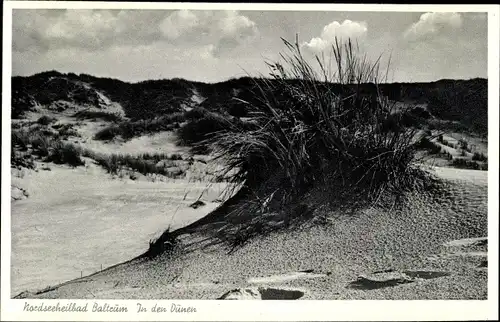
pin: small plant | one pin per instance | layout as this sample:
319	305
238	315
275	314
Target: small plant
479	157
175	157
108	133
66	130
41	145
129	129
65	153
21	160
46	120
21	139
463	145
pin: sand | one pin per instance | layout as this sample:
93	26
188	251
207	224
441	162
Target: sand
76	221
69	223
406	254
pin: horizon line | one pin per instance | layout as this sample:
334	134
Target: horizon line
228	78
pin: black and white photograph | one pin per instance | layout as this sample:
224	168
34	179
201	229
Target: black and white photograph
227	153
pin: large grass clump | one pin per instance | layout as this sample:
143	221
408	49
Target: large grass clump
321	134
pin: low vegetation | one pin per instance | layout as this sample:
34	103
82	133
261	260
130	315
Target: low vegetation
20	159
65	153
26	144
429	146
95	115
469	164
46	120
129	129
48	149
145	164
479	157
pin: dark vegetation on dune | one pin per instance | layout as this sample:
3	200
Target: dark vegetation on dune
97	115
310	145
458	104
28	146
128	129
298	141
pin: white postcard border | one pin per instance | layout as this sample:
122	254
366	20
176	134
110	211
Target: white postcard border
263	310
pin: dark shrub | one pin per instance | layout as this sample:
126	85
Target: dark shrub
196	113
108	133
426	144
21	139
238	109
479	157
463	145
46	120
20	160
466	164
67	130
419	112
65	153
176	156
41	145
197	131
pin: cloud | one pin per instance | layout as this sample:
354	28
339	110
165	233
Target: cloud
177	23
343	31
431	24
42	30
479	16
224	30
236	25
96	30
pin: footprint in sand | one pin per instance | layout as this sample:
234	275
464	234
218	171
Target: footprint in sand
474	249
262	293
390	278
269	293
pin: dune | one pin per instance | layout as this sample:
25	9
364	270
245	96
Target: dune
137	212
375	254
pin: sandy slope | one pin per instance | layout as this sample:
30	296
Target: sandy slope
335	255
76	220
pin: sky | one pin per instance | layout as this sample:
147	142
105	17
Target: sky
211	46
